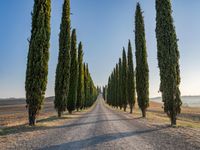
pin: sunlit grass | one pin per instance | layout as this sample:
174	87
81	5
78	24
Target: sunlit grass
160	118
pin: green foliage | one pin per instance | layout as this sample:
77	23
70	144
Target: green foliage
168	59
63	67
85	85
142	70
72	96
80	88
120	82
116	84
38	56
113	91
105	92
89	88
114	88
124	80
117	88
99	89
130	79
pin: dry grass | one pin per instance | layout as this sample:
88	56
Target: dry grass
190	117
14	119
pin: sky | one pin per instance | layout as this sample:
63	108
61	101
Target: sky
104	27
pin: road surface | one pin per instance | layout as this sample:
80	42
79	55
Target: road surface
105	129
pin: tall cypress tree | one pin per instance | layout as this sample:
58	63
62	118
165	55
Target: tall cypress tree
90	92
83	99
38	56
80	88
88	80
72	96
114	88
120	84
112	99
85	85
117	84
63	67
108	91
104	92
142	70
131	79
124	79
168	59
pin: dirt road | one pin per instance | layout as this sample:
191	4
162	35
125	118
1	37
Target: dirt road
103	128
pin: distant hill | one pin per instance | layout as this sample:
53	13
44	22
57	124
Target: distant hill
191	101
16	101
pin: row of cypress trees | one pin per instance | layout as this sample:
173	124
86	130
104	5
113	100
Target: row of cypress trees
118	88
121	86
74	87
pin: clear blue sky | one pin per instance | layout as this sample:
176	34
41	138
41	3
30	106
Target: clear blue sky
104	27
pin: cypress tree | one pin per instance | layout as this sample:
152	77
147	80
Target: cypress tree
83	94
104	93
80	88
124	79
131	79
85	85
168	59
72	96
108	91
63	67
142	70
38	56
91	92
114	88
120	82
117	85
88	87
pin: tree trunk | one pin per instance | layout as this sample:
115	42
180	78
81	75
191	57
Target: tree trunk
131	110
59	114
32	117
173	120
70	112
125	109
144	113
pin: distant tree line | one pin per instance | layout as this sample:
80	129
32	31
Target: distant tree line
124	80
74	87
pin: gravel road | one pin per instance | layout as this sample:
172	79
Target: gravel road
105	129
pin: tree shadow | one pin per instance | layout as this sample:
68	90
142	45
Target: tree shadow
95	140
26	128
52	118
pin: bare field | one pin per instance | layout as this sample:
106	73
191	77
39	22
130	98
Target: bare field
13	112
